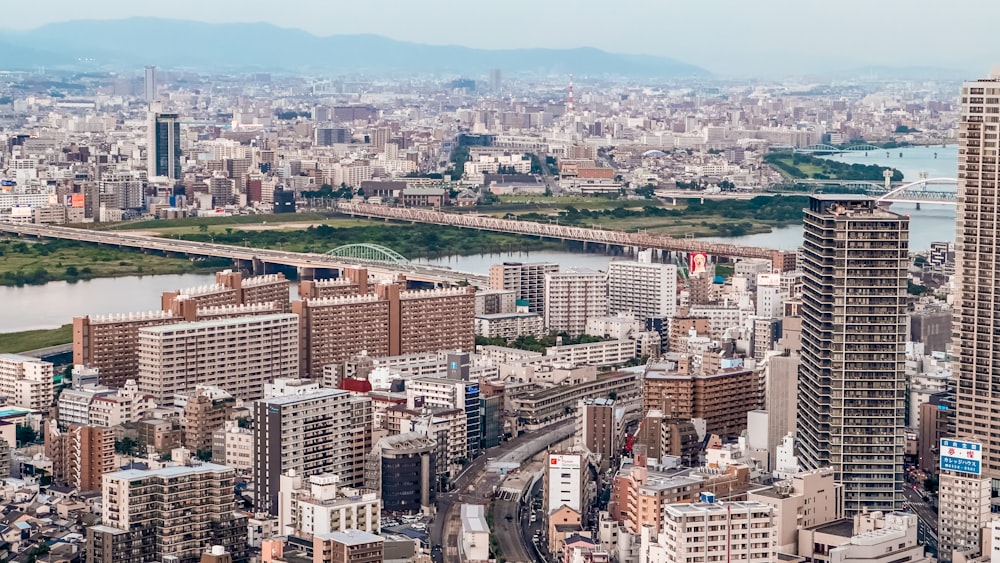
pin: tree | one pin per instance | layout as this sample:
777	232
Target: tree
646	191
25	435
127	446
203	228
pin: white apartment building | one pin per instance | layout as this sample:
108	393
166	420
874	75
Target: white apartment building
238	355
711	532
97	405
509	325
574	296
318	505
642	288
606	353
26	381
232	446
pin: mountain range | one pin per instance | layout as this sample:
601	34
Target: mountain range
181	44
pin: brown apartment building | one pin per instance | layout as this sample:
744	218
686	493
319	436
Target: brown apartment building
80	455
722	397
353	281
388	322
109	342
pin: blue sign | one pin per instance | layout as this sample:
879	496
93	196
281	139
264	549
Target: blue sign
962	456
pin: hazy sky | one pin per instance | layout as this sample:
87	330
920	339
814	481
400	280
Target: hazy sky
722	35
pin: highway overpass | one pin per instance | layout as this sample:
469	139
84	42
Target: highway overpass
255	260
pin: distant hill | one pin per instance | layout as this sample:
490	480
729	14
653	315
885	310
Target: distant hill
259	46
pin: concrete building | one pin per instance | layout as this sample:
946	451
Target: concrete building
475	537
496	301
873	537
26	381
401	469
722	398
810	498
237	355
704	532
350	546
572	297
450	394
780	400
977	305
163	149
309	434
527	280
964	502
319	505
854	299
565	482
205	411
643	288
600	426
232	446
171	512
509	325
81	455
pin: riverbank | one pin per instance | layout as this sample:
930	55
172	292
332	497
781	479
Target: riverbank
35	262
16	342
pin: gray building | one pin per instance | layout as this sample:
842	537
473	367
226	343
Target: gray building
852	387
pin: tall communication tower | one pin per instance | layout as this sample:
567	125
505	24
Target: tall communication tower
569	101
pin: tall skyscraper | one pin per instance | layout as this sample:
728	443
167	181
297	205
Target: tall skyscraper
977	297
150	84
851	380
164	146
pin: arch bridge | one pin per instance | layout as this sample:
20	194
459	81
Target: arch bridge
911	193
369	252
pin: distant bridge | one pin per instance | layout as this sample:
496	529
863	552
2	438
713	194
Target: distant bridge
821	148
917	192
553	230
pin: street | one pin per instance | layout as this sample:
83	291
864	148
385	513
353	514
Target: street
446	527
927	519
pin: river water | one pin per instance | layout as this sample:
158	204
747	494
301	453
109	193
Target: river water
56	303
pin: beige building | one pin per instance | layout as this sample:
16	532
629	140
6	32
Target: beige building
572	297
319	505
526	280
708	532
810	498
232	446
237	355
964	505
351	546
872	537
26	381
175	511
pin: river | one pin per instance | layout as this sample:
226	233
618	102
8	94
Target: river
56	303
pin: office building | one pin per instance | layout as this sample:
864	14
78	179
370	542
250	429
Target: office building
401	468
526	280
26	381
81	455
572	297
810	498
237	355
309	433
566	481
451	394
977	312
319	505
852	388
164	146
173	512
150	84
643	288
872	537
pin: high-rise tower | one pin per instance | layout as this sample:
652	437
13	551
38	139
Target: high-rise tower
569	100
150	84
977	265
164	149
852	392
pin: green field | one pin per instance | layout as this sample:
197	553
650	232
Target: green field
231	220
14	342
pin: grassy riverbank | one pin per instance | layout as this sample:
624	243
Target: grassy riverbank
32	262
14	342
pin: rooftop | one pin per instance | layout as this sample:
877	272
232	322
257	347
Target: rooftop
351	537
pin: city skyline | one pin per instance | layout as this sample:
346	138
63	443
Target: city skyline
858	35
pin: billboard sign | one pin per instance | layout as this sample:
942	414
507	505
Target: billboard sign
962	456
564	461
697	262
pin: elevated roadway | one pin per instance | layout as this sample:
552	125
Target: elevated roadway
554	231
257	258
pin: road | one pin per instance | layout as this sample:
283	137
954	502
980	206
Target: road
446	527
256	256
927	518
507	518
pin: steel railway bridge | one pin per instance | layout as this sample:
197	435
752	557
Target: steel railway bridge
554	231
